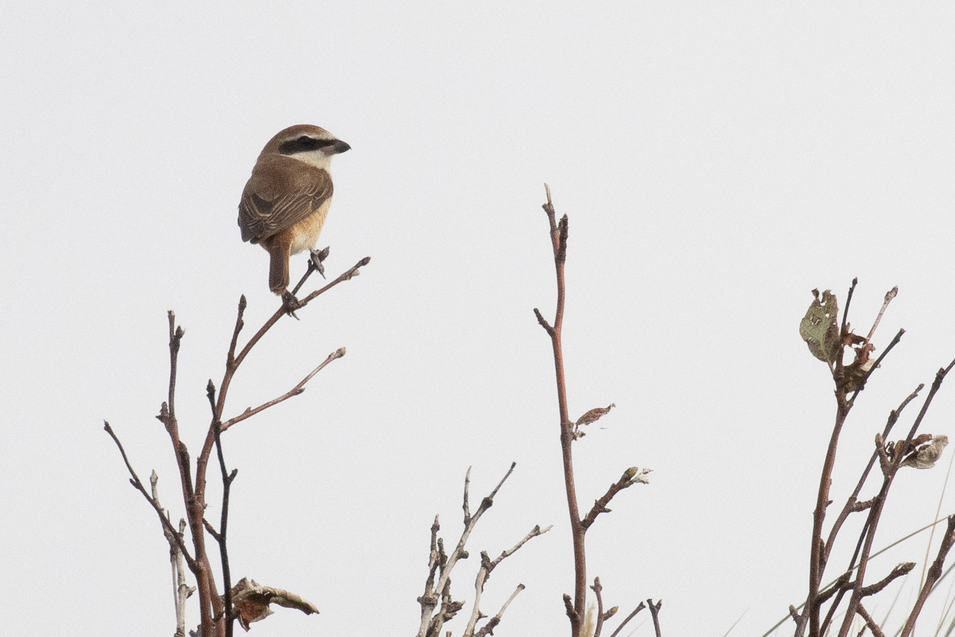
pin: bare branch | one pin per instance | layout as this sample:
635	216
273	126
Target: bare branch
900	570
492	623
537	530
878	361
655	613
441	565
543	322
168	530
558	238
597	588
295	391
845	311
467	488
631	476
626	619
891	294
851	505
869	622
180	590
239	324
934	573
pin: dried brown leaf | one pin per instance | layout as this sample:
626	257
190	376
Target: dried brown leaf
594	415
252	601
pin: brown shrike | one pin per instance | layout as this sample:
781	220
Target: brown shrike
286	199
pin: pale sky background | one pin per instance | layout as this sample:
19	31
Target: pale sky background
717	162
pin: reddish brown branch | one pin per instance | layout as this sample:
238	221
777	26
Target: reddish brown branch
558	237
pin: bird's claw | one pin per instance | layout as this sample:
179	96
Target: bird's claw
290	304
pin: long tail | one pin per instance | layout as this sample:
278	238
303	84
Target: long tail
278	265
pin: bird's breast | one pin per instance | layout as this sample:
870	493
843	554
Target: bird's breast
305	233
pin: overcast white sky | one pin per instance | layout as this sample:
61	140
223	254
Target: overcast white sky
717	160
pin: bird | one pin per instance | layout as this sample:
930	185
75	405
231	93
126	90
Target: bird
286	200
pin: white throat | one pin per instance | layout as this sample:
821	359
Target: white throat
315	158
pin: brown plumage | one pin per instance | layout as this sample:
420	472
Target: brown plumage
286	200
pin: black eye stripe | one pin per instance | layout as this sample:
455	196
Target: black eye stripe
303	144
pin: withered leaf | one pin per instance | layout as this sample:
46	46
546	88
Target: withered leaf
594	415
252	601
818	327
925	457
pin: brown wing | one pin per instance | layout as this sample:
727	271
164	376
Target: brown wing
281	192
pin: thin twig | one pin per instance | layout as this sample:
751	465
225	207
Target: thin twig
845	311
869	622
227	479
138	485
600	506
891	294
655	612
851	504
180	590
636	610
492	623
878	361
598	592
443	565
895	573
876	511
467	489
295	391
488	565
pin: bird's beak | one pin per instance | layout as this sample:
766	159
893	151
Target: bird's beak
340	147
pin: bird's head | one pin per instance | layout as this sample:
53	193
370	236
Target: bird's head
307	143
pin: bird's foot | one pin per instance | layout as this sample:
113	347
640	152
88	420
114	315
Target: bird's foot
290	304
315	261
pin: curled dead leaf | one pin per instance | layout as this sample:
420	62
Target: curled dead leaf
251	601
924	457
